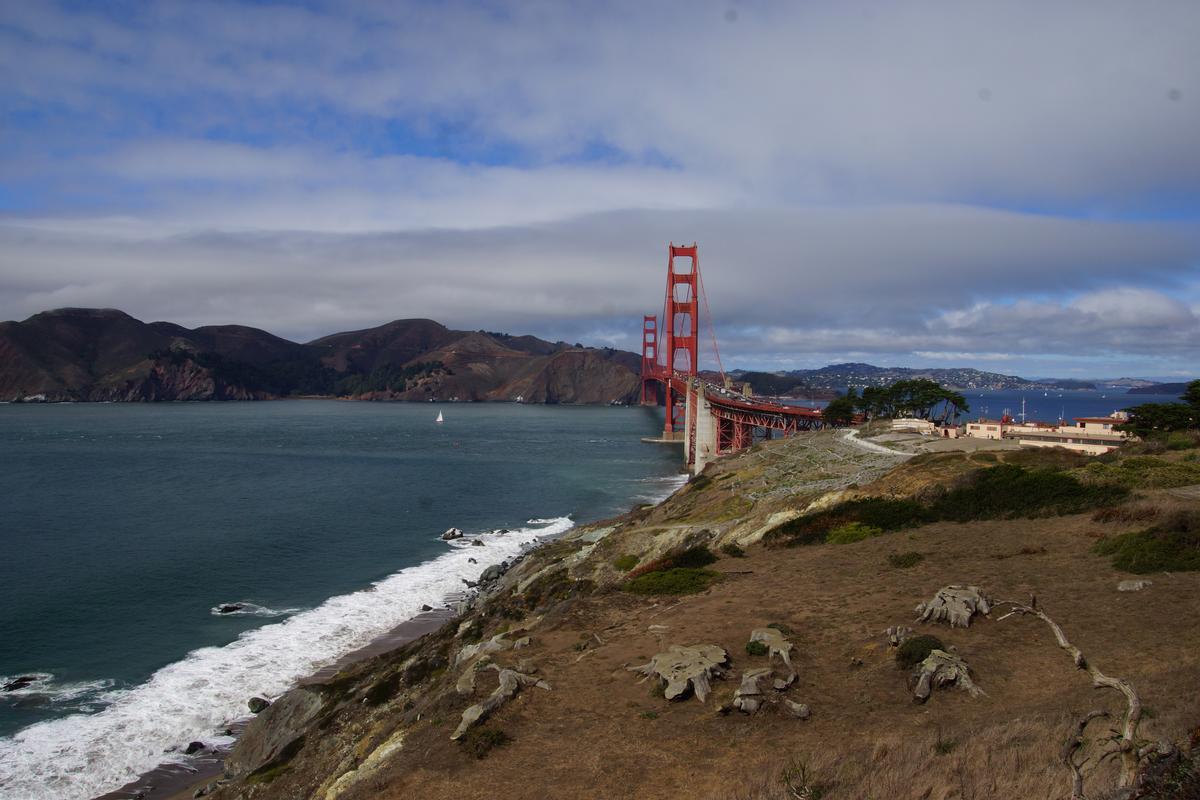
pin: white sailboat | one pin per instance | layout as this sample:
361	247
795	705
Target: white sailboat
439	418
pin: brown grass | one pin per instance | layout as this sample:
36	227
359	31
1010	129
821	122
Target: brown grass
600	734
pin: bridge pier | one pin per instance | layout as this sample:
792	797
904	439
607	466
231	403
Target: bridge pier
700	429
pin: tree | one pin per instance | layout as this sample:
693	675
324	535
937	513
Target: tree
1191	395
839	412
1149	418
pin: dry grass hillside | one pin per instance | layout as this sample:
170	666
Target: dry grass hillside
611	596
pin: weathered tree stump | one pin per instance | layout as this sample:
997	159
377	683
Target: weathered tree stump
681	667
954	605
940	669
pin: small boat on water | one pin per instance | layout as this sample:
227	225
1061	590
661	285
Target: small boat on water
439	418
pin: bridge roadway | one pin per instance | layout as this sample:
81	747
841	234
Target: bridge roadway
719	421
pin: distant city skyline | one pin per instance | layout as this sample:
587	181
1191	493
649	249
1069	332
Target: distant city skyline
1011	187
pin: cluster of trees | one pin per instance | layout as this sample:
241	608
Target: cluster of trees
1148	418
919	397
303	375
388	379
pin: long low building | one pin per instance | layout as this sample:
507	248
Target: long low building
1091	435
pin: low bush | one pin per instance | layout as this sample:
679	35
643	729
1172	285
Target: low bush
1183	440
481	741
1130	512
1171	546
876	512
1009	491
625	563
905	560
756	649
691	558
694	557
1002	492
733	550
852	532
677	580
1143	472
915	650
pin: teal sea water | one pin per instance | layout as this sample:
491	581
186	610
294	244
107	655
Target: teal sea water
122	527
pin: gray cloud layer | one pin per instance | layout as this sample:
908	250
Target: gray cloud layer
845	166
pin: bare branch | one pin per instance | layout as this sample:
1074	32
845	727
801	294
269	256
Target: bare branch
1126	744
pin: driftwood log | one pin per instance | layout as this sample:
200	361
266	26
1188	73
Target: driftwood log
680	667
511	682
1126	745
954	605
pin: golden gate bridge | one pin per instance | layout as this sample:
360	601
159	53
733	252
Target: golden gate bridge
709	418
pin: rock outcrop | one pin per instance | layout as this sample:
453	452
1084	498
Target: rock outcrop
271	732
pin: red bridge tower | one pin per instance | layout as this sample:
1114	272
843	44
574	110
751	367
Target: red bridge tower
681	320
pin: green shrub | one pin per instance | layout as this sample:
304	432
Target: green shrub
905	560
733	550
694	557
1181	440
915	650
677	580
1008	491
1171	546
877	512
852	532
756	649
625	563
480	741
1001	492
1144	472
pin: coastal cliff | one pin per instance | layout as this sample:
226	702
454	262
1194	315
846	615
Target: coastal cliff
77	354
817	549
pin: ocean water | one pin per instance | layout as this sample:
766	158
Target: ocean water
123	527
1047	406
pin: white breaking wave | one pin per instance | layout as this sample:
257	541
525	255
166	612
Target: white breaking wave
84	755
663	487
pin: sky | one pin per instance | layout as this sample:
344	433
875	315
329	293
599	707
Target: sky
1011	186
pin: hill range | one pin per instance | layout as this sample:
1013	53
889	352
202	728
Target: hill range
107	355
82	354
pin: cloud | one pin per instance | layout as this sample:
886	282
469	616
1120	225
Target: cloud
924	180
784	287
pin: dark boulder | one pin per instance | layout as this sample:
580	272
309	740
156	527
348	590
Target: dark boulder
20	682
193	748
229	608
258	704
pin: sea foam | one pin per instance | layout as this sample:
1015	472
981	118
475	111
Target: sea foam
84	755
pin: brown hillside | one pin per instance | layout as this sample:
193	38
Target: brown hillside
382	728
